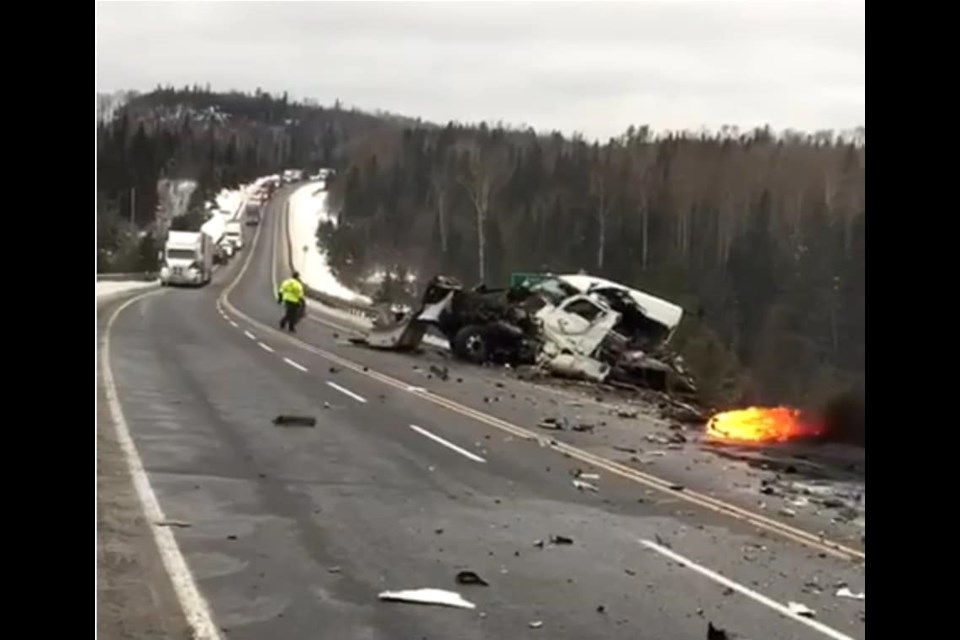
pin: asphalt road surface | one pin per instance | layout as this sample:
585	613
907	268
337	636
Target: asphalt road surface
243	529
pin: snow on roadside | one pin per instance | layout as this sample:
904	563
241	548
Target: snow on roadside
308	208
112	287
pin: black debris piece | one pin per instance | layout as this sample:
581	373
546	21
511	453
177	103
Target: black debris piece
499	385
231	537
294	421
713	633
630	572
366	368
626	449
628	413
677	487
333	570
471	578
677	438
560	540
601	608
358	340
441	372
438	531
459	379
538	544
336	335
334	370
661	541
584	427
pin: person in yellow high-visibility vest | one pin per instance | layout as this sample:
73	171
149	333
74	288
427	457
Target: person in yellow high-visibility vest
290	295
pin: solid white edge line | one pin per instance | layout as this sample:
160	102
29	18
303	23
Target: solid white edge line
266	347
750	593
295	365
195	608
346	392
249	335
447	444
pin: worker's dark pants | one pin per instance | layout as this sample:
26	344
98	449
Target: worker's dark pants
291	315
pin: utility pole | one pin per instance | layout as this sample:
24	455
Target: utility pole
133	205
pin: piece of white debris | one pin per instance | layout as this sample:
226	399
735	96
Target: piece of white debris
789	513
428	596
844	592
585	486
536	624
800	609
589	476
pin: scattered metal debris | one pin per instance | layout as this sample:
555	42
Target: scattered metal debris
560	540
440	597
715	633
800	609
471	578
180	524
789	513
601	608
334	370
536	624
627	413
845	592
580	485
294	421
584	427
333	570
626	449
441	372
554	424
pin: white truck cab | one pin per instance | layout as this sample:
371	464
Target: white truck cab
187	258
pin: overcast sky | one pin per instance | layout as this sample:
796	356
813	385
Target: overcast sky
591	67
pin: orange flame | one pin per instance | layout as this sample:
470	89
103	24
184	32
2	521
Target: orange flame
760	425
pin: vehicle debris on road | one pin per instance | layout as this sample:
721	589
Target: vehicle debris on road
294	421
536	624
845	592
180	524
556	539
471	578
800	609
580	485
440	597
715	633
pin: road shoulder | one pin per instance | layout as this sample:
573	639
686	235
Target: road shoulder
134	596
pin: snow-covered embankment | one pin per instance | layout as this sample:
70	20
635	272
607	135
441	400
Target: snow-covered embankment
308	208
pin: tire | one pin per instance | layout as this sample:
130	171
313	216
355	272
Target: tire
470	344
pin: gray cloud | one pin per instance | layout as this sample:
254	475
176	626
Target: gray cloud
594	67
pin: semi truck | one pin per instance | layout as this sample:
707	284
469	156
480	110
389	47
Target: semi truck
187	259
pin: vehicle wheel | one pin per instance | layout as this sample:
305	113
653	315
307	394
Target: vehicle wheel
470	344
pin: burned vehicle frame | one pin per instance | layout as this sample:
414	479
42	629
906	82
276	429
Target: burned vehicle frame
575	326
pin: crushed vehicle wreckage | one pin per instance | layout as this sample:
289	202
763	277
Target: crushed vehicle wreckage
575	326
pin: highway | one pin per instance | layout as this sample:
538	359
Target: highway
406	479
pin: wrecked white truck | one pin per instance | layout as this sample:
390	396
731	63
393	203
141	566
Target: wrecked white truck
575	326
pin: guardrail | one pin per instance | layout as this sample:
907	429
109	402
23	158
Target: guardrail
144	276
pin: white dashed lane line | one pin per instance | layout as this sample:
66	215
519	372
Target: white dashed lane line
447	444
347	392
265	347
295	365
249	335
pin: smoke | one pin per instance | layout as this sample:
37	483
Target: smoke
173	201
